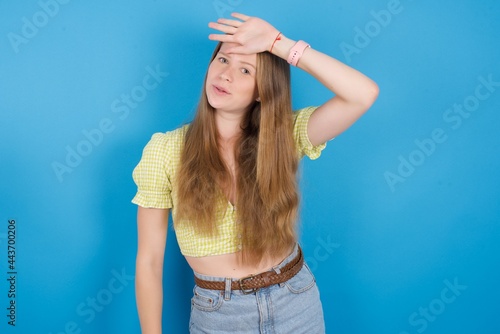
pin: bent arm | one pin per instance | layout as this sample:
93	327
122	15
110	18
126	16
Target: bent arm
152	225
354	92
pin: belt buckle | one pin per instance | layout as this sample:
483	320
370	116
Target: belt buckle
247	291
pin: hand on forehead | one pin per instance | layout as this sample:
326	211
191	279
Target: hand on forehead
227	49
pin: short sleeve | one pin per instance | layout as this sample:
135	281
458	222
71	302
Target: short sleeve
304	146
151	175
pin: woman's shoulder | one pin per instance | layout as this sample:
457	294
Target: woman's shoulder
165	146
301	117
170	138
175	134
300	134
304	112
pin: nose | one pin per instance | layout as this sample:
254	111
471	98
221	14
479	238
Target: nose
225	75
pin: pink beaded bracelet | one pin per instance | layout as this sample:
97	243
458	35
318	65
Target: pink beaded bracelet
296	52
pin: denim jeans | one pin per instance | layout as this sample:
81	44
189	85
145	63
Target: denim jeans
290	307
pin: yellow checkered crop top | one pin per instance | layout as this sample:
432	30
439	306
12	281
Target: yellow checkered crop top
155	176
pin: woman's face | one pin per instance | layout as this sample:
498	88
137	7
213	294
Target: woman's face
231	85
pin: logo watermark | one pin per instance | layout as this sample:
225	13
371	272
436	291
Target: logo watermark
425	315
88	309
454	117
225	7
32	26
322	252
363	36
122	107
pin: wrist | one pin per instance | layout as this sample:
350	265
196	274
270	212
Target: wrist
282	47
296	52
278	38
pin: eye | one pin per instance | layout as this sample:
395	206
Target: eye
223	60
245	71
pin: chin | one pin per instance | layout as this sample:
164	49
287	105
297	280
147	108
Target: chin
213	105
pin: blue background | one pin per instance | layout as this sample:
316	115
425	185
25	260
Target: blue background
385	245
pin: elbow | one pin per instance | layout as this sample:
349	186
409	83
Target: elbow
370	96
146	263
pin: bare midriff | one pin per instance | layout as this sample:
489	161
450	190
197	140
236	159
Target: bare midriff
229	265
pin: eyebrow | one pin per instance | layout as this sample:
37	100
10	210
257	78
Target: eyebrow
243	62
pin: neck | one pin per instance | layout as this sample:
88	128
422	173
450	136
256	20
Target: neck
228	125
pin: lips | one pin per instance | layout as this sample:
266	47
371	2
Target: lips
220	90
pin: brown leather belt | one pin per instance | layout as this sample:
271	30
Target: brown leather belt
253	283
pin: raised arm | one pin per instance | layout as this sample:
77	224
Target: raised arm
354	92
152	225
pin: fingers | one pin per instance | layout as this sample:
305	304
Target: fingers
229	26
240	49
240	16
221	38
229	22
223	28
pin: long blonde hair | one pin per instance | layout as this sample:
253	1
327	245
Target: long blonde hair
266	166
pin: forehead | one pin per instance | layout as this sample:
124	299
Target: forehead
250	58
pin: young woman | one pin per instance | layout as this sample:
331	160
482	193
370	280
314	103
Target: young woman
229	178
